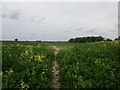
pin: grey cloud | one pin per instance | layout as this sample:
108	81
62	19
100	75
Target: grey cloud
35	34
80	29
15	15
37	19
90	31
66	20
119	10
20	33
41	20
118	19
67	31
3	16
32	19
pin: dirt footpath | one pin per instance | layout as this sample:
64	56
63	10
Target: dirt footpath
55	71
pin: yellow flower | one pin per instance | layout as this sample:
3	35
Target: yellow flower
43	72
10	71
1	72
38	58
26	52
24	85
98	60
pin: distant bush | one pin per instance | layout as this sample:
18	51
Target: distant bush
108	39
118	38
38	41
16	39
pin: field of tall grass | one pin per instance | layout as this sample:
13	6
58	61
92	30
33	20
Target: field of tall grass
26	65
81	65
90	65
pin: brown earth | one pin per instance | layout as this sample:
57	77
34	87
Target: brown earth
55	72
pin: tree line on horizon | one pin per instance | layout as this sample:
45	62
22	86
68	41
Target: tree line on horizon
90	39
83	39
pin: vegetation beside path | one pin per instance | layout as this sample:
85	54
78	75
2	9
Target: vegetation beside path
81	65
90	65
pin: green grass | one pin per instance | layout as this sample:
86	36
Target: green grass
26	65
90	65
63	45
82	65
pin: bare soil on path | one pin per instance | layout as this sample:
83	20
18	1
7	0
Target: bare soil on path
55	71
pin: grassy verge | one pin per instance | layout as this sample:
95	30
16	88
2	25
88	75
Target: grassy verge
90	65
26	65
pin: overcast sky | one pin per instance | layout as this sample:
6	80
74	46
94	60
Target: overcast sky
58	20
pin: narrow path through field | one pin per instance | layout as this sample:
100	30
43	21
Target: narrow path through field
55	71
